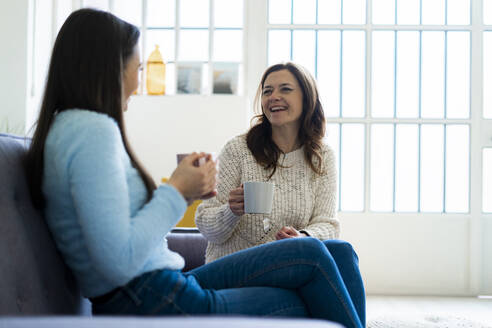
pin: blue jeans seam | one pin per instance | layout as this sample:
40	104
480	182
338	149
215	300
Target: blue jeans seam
144	283
327	277
165	300
284	310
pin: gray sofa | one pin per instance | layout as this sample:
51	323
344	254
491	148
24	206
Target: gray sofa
38	290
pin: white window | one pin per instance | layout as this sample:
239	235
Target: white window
201	41
394	77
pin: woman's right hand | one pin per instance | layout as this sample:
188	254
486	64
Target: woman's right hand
236	201
195	182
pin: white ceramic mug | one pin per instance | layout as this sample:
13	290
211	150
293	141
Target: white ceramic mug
258	197
200	162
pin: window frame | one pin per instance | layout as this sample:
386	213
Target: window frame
206	90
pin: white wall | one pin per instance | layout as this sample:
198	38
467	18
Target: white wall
411	255
14	64
43	38
486	287
159	127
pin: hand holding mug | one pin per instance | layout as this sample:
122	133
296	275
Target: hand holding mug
236	201
192	181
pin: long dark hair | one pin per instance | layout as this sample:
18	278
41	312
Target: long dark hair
85	72
311	129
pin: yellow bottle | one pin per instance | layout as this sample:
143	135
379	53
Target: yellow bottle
156	73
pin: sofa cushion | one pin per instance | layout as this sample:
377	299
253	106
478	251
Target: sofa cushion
190	243
169	322
34	278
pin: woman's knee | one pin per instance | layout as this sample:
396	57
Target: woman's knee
308	245
340	247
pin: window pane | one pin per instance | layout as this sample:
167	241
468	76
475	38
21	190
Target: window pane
98	4
304	48
352	167
383	73
278	46
129	10
164	39
329	11
432	74
193	45
487	12
487	180
228	13
329	71
458	75
432	168
279	11
383	11
332	139
458	12
408	12
433	12
457	168
228	45
407	74
205	80
304	11
407	167
353	74
487	74
382	167
354	12
161	13
170	79
190	78
194	13
225	77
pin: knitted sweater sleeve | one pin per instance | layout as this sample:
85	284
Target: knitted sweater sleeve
214	217
323	223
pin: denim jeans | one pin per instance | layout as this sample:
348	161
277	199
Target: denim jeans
300	277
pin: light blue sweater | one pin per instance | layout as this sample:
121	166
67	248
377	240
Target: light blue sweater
96	205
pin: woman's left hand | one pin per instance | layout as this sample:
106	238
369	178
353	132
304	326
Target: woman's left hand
288	232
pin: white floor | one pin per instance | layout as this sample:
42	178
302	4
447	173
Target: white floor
471	308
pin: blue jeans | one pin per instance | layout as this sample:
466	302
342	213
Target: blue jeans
300	277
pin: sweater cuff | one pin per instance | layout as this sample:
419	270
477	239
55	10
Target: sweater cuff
178	201
229	218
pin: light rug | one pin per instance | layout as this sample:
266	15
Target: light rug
424	321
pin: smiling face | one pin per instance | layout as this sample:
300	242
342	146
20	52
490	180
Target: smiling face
131	76
281	99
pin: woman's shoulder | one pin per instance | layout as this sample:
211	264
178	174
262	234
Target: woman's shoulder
74	127
236	143
327	154
326	151
76	122
84	119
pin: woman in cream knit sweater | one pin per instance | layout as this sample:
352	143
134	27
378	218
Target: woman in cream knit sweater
285	147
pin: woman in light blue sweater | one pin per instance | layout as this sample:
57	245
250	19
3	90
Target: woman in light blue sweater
109	220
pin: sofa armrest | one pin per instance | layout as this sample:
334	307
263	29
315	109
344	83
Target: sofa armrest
190	243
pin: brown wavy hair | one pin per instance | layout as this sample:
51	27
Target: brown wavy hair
86	72
311	130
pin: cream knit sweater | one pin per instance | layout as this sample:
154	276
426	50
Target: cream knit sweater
302	199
